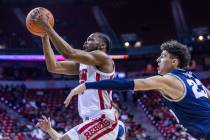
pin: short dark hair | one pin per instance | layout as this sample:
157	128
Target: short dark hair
107	40
178	50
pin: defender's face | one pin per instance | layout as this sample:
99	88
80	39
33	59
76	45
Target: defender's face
165	64
92	43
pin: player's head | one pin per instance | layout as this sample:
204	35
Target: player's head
116	110
174	55
98	41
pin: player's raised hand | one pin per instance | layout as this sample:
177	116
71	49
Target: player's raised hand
76	91
41	19
44	123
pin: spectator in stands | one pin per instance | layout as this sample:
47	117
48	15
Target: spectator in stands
1	134
37	133
193	65
149	70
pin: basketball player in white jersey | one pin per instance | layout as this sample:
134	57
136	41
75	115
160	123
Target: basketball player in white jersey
92	64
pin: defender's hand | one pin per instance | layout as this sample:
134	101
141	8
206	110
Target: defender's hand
76	91
44	123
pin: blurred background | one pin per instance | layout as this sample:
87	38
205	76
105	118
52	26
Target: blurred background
137	29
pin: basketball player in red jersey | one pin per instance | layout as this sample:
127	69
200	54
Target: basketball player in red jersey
92	64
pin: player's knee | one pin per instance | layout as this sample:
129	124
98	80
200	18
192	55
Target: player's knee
65	137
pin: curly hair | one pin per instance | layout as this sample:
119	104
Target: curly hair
177	50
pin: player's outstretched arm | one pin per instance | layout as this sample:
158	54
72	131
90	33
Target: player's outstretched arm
115	84
167	85
45	125
155	82
96	58
54	66
61	45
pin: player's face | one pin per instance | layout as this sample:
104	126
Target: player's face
93	43
165	64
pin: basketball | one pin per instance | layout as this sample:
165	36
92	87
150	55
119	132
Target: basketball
32	25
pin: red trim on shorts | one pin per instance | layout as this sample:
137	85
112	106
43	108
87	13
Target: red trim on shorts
100	93
90	123
106	131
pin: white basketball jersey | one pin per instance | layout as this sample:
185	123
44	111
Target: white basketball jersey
92	101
